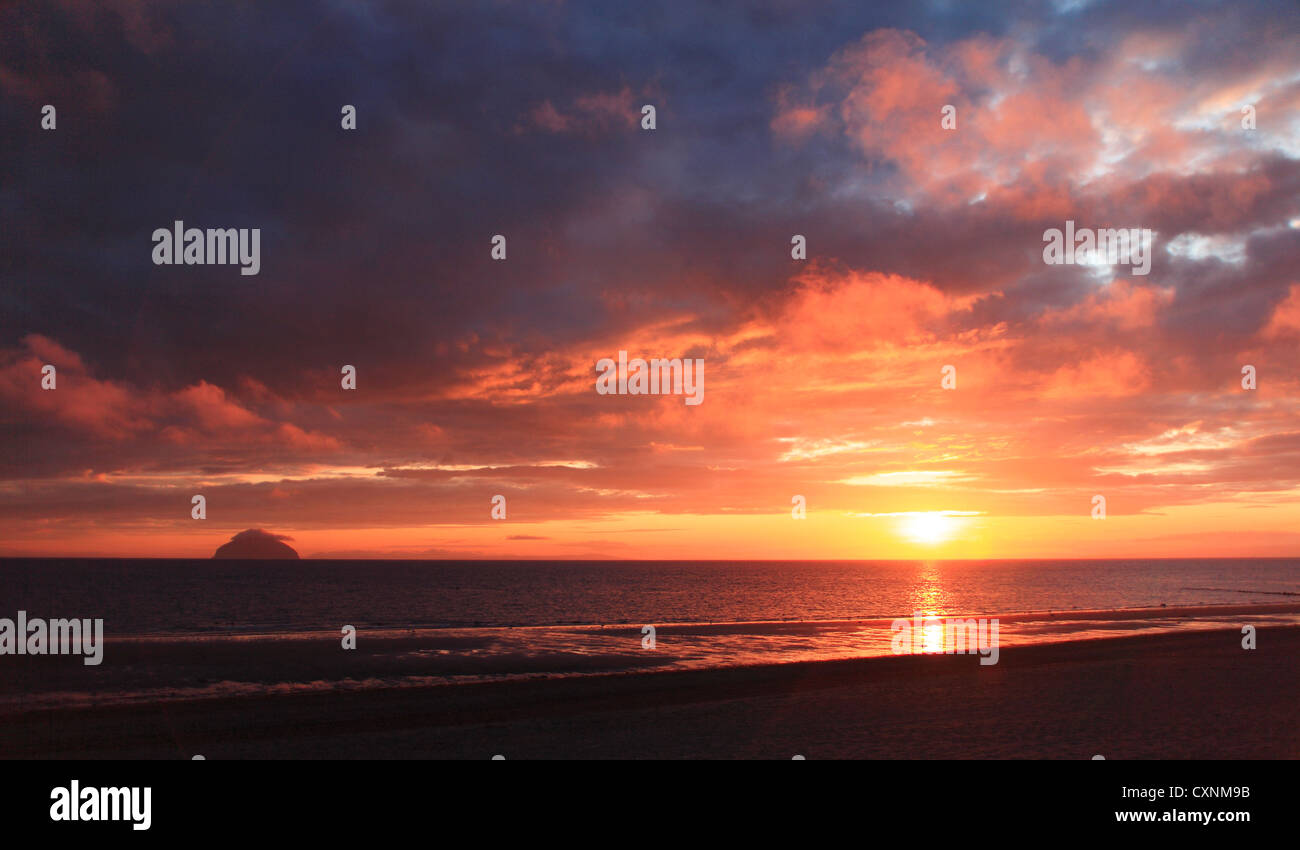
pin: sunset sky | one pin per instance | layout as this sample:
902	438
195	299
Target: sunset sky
476	377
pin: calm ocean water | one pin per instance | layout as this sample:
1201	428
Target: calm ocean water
195	628
189	596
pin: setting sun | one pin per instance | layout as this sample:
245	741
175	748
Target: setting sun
931	527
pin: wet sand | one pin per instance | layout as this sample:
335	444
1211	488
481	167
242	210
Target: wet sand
1168	696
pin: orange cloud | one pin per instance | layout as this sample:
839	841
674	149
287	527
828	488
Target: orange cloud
1285	321
1120	303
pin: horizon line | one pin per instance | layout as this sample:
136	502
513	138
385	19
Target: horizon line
644	560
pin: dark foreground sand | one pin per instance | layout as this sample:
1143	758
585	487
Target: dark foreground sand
1195	695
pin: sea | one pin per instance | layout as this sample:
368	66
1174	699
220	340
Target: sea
193	629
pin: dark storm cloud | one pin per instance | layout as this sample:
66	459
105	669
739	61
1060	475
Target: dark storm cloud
229	116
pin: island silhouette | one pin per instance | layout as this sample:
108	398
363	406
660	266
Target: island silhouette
256	543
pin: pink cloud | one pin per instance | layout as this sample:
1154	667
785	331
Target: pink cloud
1285	321
1030	122
1121	304
588	113
115	410
214	410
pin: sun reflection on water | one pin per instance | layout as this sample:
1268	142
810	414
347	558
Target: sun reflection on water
932	602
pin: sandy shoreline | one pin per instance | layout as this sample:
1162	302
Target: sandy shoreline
145	669
1193	695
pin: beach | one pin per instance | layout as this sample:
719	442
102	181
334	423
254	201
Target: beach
1193	695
